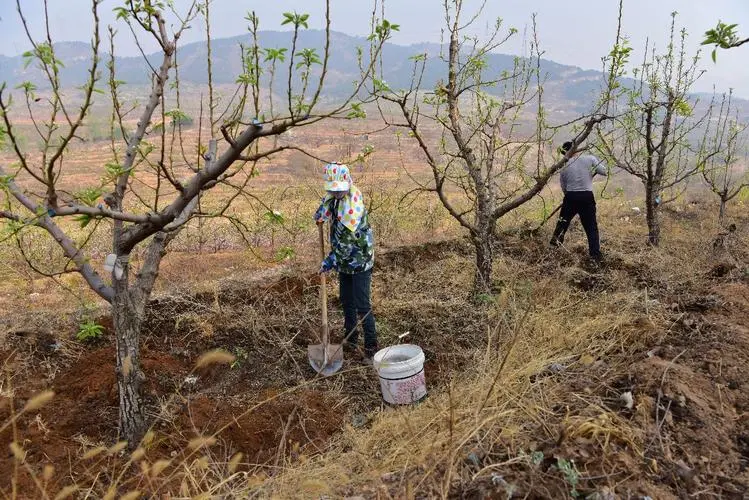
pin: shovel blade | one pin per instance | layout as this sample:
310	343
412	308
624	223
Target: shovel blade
324	364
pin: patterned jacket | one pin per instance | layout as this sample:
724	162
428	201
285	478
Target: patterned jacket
351	252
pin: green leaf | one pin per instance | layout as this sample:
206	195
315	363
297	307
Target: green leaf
253	19
179	116
83	220
27	87
284	253
274	217
121	13
381	85
89	330
383	30
245	79
5	181
12	227
28	56
682	108
275	54
113	171
88	196
296	19
356	111
308	58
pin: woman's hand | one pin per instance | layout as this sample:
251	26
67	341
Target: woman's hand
324	267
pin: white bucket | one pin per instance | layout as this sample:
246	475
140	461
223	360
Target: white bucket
401	371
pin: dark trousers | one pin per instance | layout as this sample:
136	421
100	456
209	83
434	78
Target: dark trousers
355	291
580	203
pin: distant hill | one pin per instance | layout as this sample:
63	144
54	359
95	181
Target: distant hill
567	89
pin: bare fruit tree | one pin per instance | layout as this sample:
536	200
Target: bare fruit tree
151	187
653	134
724	155
484	161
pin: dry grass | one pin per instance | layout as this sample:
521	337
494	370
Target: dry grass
493	405
479	407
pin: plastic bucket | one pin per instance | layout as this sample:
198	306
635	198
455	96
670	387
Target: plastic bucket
401	372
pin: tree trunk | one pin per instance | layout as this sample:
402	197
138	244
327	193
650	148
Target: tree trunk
722	212
651	209
127	318
128	312
484	263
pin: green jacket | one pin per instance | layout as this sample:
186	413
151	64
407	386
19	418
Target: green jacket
351	252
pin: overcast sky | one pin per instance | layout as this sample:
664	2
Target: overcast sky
576	32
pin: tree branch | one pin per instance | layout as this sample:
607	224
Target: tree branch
543	179
199	181
439	181
5	108
71	209
149	269
4	214
87	102
66	243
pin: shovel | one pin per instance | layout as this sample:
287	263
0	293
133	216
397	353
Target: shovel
325	358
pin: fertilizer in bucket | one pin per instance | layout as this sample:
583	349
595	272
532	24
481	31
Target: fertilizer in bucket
401	372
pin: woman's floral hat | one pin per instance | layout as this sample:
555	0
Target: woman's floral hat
337	177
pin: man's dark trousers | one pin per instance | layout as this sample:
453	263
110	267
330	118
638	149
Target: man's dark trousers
581	203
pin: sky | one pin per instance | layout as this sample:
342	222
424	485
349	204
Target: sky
574	32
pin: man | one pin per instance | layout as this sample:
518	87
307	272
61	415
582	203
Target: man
577	184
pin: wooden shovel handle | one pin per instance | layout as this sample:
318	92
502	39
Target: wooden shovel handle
323	291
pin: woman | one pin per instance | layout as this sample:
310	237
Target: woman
352	254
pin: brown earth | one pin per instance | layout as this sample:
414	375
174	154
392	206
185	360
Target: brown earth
256	408
266	426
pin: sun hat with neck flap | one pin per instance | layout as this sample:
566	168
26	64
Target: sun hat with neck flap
350	208
337	177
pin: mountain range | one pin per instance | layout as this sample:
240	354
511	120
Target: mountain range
569	84
567	89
